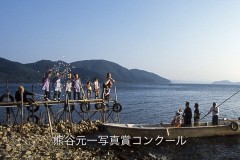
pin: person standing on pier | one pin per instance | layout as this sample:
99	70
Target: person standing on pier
57	85
215	112
77	87
89	89
46	84
107	86
96	87
68	88
187	115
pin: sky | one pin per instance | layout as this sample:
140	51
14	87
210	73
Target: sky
184	40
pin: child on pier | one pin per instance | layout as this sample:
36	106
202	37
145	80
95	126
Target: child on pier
89	89
96	87
57	85
77	87
46	84
107	86
68	88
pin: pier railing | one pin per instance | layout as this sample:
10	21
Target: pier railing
52	112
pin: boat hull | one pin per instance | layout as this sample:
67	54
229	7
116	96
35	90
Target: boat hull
168	132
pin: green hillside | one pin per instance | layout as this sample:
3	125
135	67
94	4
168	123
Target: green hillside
87	69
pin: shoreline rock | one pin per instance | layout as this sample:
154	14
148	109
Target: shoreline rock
32	141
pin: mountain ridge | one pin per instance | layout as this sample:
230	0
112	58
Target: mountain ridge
17	72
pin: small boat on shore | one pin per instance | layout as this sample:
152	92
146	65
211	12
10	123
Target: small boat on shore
167	131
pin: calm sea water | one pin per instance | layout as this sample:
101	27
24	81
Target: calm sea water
160	102
155	103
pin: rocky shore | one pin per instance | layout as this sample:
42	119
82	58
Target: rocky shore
69	141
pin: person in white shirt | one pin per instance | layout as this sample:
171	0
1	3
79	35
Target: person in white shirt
178	119
96	87
46	84
68	88
57	85
215	112
77	87
89	89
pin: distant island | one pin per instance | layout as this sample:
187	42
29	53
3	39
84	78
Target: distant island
17	72
226	82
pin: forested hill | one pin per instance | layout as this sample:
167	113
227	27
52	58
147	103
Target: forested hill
17	72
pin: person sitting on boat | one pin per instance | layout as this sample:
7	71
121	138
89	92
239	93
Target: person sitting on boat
196	115
77	87
178	119
187	115
46	84
21	95
215	112
107	85
57	85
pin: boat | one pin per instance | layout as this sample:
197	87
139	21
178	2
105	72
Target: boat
167	131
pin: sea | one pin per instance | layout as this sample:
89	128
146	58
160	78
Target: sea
154	104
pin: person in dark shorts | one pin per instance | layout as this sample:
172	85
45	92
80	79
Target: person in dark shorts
187	115
196	114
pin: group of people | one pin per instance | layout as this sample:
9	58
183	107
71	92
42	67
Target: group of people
184	118
74	84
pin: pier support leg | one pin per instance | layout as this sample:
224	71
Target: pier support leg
49	119
22	116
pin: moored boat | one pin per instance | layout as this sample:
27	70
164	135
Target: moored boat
205	129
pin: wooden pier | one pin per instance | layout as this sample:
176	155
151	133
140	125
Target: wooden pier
52	112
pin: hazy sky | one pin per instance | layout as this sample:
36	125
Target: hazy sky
195	40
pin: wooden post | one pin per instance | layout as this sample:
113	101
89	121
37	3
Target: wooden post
32	107
22	116
104	114
70	113
118	118
116	94
49	119
15	118
8	111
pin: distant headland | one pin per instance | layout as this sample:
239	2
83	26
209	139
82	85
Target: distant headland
225	82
